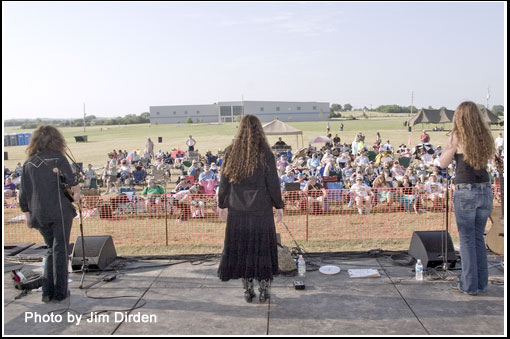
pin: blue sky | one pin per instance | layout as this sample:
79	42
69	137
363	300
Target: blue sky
121	58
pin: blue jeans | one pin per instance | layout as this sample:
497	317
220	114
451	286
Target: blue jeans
55	273
473	205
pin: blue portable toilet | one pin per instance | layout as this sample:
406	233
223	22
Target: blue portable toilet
27	137
21	138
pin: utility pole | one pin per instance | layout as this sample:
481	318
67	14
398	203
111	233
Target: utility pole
84	117
412	102
488	96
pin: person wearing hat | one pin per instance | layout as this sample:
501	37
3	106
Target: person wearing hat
288	177
153	193
182	185
214	168
362	195
194	170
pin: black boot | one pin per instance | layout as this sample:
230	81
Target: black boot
264	290
249	293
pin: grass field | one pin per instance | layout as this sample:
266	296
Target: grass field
144	235
103	139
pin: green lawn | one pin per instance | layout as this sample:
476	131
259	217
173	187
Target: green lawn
103	139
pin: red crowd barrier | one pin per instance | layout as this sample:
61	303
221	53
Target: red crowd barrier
329	215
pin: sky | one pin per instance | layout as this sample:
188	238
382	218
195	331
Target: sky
121	58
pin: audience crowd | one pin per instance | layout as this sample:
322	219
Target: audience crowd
369	174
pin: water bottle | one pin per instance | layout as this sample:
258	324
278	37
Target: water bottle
419	270
301	266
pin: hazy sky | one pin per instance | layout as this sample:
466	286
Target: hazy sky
121	58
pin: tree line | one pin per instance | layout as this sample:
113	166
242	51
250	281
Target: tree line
337	109
90	120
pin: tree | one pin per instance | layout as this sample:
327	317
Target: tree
335	108
498	109
348	107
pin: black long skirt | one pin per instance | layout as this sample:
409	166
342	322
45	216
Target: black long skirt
250	249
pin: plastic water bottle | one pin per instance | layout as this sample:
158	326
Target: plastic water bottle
301	265
419	270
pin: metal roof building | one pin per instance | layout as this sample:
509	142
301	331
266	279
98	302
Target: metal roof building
227	111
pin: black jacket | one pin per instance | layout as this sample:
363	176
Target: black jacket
40	191
258	193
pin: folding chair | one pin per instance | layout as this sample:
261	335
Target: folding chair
159	177
371	155
404	161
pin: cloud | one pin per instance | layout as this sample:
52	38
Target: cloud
309	24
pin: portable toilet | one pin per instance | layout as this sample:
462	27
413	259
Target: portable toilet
27	137
14	139
7	140
21	138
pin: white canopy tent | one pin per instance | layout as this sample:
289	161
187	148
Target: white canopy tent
276	127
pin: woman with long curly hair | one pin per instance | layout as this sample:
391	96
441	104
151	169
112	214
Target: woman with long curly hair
46	206
249	189
471	144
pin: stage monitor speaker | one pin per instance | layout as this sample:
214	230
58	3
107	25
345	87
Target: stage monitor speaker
99	252
428	246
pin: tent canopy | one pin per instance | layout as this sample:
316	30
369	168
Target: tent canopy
432	116
489	116
276	127
443	115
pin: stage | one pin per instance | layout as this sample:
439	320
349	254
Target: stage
181	297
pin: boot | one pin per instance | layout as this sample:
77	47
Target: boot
249	293
264	290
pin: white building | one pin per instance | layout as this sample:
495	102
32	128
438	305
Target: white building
227	111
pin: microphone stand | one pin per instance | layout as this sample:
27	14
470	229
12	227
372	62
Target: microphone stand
445	241
85	263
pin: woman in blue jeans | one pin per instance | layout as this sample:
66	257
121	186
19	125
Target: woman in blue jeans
471	145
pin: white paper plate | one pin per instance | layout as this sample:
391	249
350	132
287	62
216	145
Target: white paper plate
329	269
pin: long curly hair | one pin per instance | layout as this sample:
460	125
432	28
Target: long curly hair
247	151
473	134
46	138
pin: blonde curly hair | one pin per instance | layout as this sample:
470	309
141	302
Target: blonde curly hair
473	134
247	152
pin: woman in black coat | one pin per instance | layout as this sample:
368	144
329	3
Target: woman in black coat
46	206
249	189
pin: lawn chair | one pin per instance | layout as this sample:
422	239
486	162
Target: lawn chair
159	177
404	162
335	195
371	155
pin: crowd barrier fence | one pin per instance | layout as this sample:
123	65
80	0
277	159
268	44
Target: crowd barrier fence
319	216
